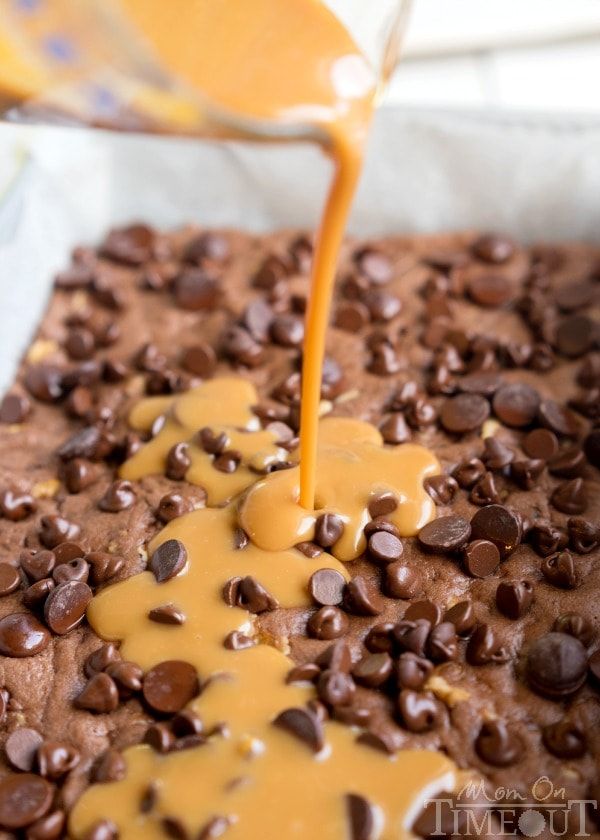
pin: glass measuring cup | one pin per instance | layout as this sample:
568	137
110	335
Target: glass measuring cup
86	61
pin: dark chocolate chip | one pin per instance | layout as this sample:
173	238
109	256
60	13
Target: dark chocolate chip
558	418
468	473
441	488
445	534
55	759
559	570
575	625
16	506
178	462
10	580
236	640
412	635
575	335
168	560
384	548
173	505
103	566
21	748
100	659
499	525
329	527
14	408
326	587
564	739
167	614
412	671
44	382
361	817
493	248
462	616
303	725
484	491
490	290
568	463
556	665
335	688
195	290
351	316
199	359
119	495
401	581
496	455
514	597
24	798
99	695
570	497
78	474
584	535
22	635
442	644
66	605
127	677
485	648
110	767
56	529
516	404
373	670
496	744
419	710
252	596
591	447
170	686
424	610
328	623
360	598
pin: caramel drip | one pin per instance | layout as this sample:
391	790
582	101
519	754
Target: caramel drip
246	690
223	405
353	469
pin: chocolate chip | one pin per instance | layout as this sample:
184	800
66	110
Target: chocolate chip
361	598
584	535
24	799
56	758
484	382
178	462
361	817
167	614
516	404
199	359
90	443
381	740
241	347
326	587
558	418
384	361
252	596
119	495
304	726
485	648
21	748
374	265
49	827
499	525
66	605
514	597
10	580
493	248
44	382
382	305
540	444
212	443
103	566
78	474
80	343
329	527
484	491
236	640
575	625
496	744
425	609
35	595
308	672
401	581
412	671
373	670
445	534
568	463
594	665
335	688
380	638
575	335
384	548
442	644
481	558
462	616
195	290
76	569
559	570
570	497
287	331
412	635
351	316
168	560
131	245
56	529
100	659
170	686
419	710
546	538
14	408
99	695
382	504
173	505
228	461
556	665
22	635
380	524
496	455
127	677
441	488
564	739
394	429
110	767
328	623
468	473
490	290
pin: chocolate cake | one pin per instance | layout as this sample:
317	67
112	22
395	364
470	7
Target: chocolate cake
478	638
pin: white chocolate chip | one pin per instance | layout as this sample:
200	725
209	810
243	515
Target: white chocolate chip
41	349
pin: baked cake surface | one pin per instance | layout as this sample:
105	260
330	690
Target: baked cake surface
483	351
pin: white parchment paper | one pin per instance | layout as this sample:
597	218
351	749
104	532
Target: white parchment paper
537	178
